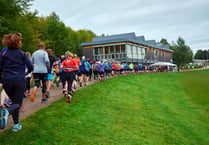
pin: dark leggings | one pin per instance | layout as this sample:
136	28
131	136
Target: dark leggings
28	83
15	91
40	77
69	77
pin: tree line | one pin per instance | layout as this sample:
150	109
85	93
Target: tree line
16	17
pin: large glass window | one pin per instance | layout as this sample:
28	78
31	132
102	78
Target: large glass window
106	49
96	51
111	49
155	53
139	52
100	50
117	48
129	51
123	49
134	50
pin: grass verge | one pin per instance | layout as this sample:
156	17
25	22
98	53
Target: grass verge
158	108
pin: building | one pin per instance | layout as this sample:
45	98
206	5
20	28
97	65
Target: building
127	48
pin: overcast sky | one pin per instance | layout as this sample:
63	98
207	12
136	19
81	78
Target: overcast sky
155	19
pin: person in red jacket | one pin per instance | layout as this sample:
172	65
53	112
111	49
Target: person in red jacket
69	67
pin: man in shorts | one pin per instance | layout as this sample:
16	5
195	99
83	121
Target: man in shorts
41	63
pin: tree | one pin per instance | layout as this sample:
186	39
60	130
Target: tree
199	54
10	10
202	54
182	53
164	41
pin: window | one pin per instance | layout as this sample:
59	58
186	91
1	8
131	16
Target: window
129	49
96	51
134	50
155	53
100	50
123	49
111	49
106	49
117	48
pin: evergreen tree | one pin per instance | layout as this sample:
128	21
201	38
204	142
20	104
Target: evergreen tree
182	53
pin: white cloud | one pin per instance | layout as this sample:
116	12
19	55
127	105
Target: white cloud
153	19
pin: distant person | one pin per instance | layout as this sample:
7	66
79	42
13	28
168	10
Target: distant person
12	64
78	62
41	63
28	78
83	71
96	70
50	75
101	70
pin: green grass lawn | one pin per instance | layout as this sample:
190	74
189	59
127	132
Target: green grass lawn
155	109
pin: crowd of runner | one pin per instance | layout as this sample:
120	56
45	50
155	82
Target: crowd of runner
21	69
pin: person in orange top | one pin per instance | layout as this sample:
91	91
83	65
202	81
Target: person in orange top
118	68
78	62
69	66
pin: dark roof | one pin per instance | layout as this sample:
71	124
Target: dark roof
152	42
113	37
131	37
140	38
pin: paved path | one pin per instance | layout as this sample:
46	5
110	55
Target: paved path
31	107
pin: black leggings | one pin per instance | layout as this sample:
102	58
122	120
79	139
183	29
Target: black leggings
40	77
28	84
15	91
69	77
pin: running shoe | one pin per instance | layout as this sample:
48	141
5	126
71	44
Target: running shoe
7	102
69	98
17	127
65	94
4	115
32	97
44	100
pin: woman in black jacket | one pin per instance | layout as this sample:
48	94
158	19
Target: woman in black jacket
12	66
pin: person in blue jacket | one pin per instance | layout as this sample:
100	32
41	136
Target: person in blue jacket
12	66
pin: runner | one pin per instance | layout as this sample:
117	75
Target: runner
28	78
50	74
101	70
69	66
78	62
96	70
41	63
113	68
12	64
82	70
88	71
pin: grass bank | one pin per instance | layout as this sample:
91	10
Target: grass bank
158	108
